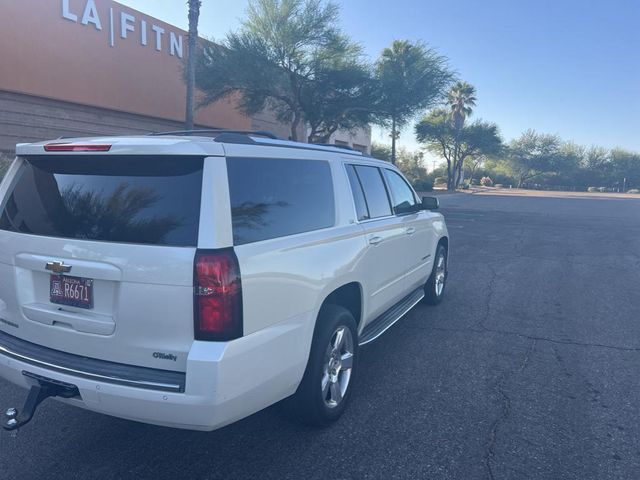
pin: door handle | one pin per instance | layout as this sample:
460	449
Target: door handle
410	231
375	240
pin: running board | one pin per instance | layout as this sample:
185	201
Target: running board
381	324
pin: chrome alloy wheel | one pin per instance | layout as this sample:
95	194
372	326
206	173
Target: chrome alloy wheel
441	273
337	367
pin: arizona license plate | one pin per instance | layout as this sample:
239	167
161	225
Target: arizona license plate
71	291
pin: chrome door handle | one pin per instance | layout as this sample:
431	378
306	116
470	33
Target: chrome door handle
375	240
410	231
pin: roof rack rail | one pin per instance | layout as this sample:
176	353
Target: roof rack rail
215	132
344	147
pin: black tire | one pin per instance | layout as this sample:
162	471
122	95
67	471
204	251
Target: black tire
432	294
309	403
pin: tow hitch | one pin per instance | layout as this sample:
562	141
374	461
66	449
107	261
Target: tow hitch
43	389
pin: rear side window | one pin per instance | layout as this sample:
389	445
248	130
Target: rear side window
375	191
126	199
273	197
358	194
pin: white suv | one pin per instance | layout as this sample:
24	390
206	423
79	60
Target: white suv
191	279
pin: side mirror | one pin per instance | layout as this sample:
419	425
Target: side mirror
430	203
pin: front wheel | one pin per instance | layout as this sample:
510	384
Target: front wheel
325	389
435	286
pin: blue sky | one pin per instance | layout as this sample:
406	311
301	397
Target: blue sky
565	66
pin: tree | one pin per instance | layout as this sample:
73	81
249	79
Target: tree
625	168
381	152
194	17
461	98
289	55
472	164
533	154
412	78
441	137
340	97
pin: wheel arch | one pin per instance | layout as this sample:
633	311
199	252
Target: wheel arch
348	296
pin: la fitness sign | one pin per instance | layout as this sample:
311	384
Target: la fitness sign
126	26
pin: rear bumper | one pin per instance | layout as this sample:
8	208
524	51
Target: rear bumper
224	382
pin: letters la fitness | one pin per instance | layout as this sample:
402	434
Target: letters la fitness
127	26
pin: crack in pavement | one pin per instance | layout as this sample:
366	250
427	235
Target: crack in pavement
491	290
506	411
531	337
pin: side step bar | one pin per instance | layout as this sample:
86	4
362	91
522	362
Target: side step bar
381	324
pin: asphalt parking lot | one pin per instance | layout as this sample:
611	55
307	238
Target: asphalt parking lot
528	370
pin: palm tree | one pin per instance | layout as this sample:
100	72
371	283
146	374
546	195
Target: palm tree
461	99
194	17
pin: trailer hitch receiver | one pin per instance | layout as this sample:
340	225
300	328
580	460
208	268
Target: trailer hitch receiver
43	389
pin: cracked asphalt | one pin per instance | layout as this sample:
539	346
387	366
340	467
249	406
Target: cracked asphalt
528	370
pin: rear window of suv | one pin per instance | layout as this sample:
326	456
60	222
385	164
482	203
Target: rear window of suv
273	197
126	199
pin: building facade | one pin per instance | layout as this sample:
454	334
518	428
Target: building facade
96	67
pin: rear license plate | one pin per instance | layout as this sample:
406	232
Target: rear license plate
71	291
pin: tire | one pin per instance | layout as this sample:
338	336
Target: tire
325	389
436	285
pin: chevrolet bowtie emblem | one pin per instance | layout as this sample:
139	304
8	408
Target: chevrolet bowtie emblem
57	267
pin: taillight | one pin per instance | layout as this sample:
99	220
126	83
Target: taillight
217	295
74	147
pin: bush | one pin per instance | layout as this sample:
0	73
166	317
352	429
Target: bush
602	189
499	185
486	182
633	190
440	181
592	189
423	185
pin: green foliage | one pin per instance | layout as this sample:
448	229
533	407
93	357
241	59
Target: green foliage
411	78
533	154
381	152
547	162
410	163
438	133
291	56
461	99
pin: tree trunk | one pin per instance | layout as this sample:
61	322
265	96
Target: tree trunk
194	16
456	153
449	175
458	176
295	123
393	140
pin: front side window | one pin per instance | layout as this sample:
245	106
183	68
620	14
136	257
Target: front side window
109	198
374	191
273	197
404	201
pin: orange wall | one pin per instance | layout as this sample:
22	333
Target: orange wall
44	54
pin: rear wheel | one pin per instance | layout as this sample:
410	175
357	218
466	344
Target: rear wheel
435	286
325	389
